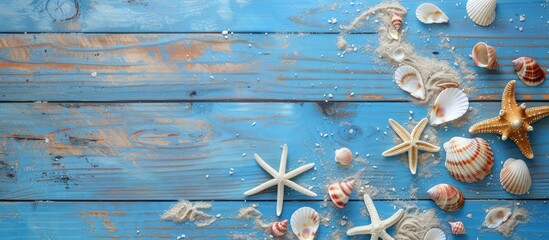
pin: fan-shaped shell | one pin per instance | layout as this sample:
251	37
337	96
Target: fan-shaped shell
450	104
304	223
482	12
457	227
278	229
447	197
485	56
515	176
398	54
496	217
529	71
396	21
468	159
434	234
340	191
429	13
344	156
409	79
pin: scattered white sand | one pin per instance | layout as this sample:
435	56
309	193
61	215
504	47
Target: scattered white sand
414	224
186	211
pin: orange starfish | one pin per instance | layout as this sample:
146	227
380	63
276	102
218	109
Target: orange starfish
514	121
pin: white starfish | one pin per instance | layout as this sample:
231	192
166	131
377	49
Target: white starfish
281	178
378	228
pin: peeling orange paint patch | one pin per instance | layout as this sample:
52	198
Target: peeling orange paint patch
109	225
98	214
222	67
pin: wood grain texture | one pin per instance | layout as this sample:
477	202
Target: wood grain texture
197	67
141	220
163	151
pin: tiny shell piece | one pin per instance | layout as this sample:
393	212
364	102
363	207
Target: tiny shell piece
448	85
304	223
449	105
278	229
496	217
344	156
515	176
409	79
399	54
482	12
529	71
429	13
434	234
457	227
468	159
340	191
396	20
447	197
485	56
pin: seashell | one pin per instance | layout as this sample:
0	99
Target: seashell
399	54
484	56
393	33
409	79
468	159
496	217
278	229
450	104
482	12
448	85
434	234
396	20
447	197
305	222
515	177
429	13
529	71
344	156
340	191
457	227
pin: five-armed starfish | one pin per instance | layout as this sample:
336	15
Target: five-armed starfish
514	121
281	178
410	143
378	228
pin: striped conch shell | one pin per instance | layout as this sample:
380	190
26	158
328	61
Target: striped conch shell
396	20
529	71
447	197
485	56
468	159
515	176
457	227
340	191
278	229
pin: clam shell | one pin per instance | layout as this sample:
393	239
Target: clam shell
485	56
515	177
482	12
396	21
344	156
447	197
340	191
448	85
409	79
429	13
457	227
434	234
450	104
278	229
496	217
529	71
468	159
399	54
304	223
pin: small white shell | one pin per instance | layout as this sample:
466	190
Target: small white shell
343	156
409	79
496	217
434	234
482	12
399	54
450	104
515	177
305	222
429	13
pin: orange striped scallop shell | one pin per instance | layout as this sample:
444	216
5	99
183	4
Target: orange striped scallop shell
468	159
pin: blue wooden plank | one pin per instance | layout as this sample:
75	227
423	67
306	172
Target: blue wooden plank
141	220
164	151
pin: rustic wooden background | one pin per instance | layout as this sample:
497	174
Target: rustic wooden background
111	111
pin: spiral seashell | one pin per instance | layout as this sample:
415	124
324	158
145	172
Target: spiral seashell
515	177
529	71
304	223
450	105
396	20
468	159
278	229
484	56
409	79
344	156
447	197
496	217
434	234
457	227
429	13
340	192
482	12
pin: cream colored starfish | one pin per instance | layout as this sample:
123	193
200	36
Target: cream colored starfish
410	143
378	228
281	178
514	121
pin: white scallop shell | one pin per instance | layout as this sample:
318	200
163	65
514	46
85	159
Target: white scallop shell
482	12
399	54
305	222
429	13
434	234
496	217
515	177
468	159
450	104
343	156
409	79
